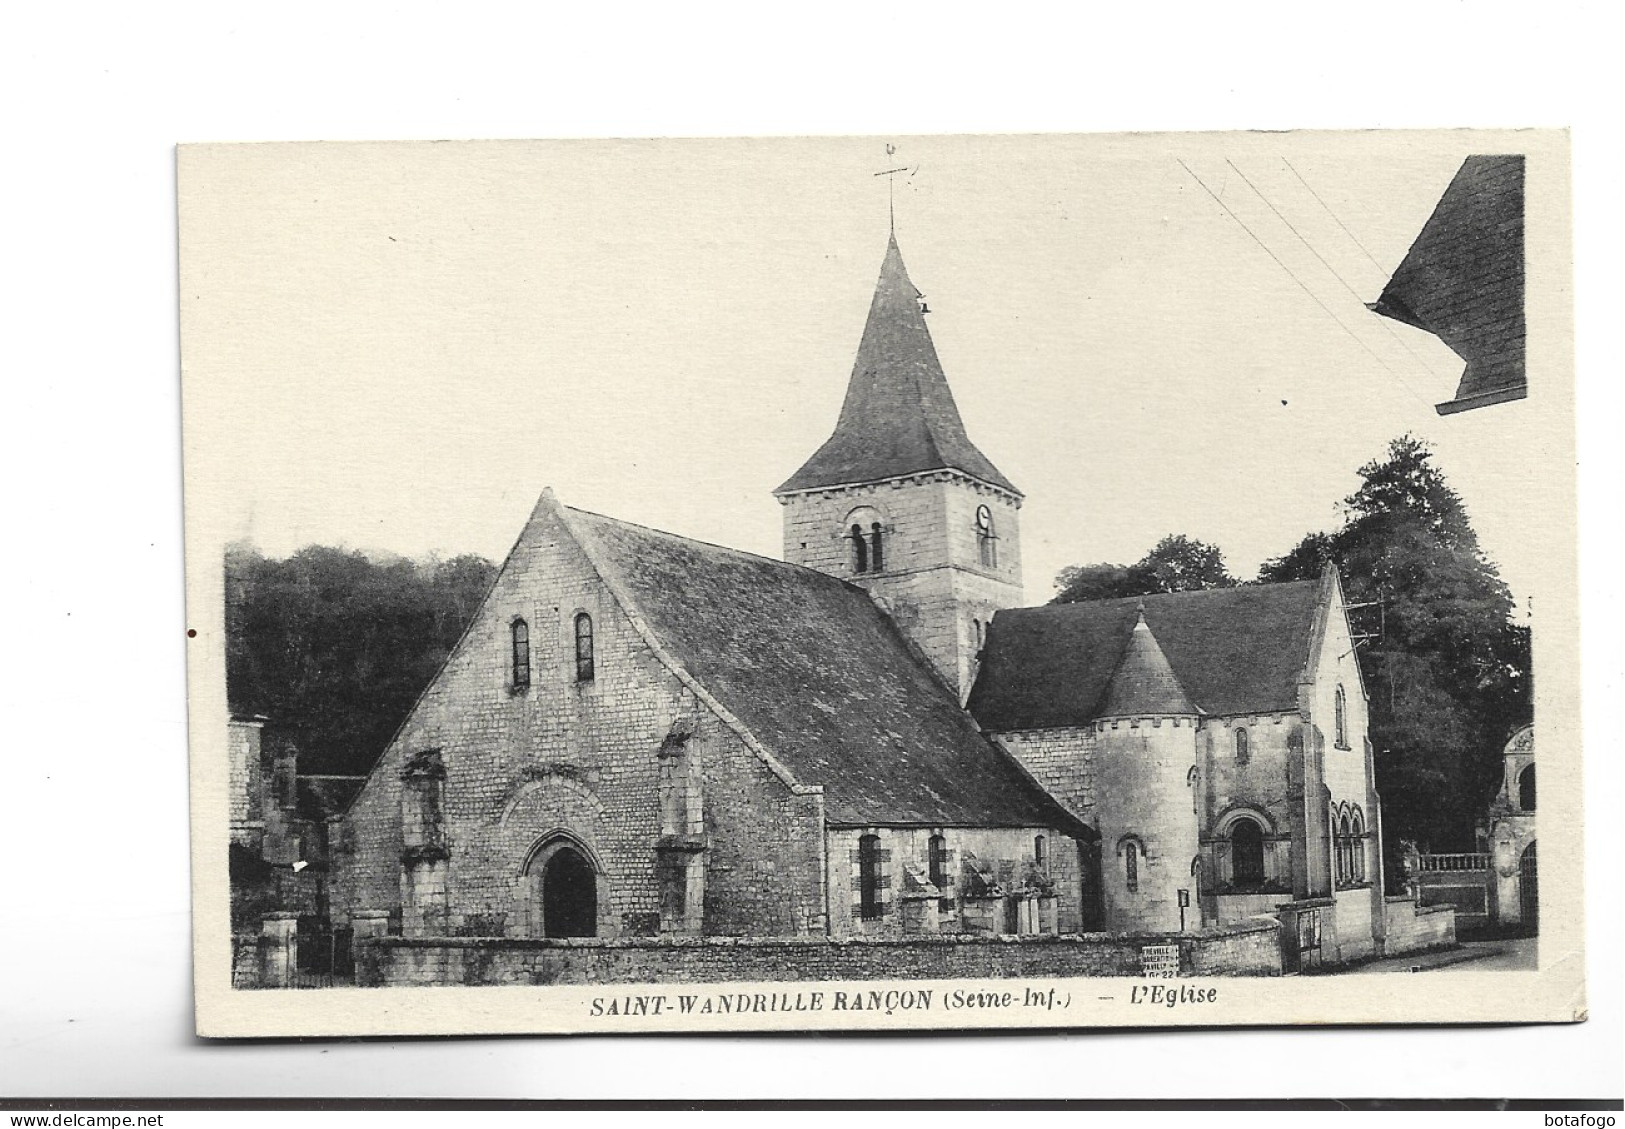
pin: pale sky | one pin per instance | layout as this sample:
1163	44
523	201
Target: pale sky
398	346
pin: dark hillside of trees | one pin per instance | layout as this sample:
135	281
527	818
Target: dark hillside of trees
334	647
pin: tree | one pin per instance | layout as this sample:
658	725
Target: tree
1182	564
1175	564
335	647
1448	670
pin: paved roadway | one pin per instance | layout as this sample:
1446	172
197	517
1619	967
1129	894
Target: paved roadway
1517	954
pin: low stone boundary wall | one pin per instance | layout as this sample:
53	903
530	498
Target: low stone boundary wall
1464	882
1248	949
1414	928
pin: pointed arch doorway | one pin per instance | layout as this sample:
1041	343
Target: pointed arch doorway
564	890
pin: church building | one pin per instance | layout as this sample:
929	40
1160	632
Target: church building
642	735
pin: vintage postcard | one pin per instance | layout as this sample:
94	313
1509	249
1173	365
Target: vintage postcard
881	583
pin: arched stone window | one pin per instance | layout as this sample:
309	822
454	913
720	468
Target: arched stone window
1246	852
1041	854
1526	789
1131	865
987	538
869	859
585	669
864	531
937	859
1340	719
1344	851
1357	834
1243	746
519	632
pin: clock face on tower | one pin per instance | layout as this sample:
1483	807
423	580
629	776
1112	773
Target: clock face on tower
984	519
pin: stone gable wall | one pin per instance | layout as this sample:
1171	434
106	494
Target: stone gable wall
578	758
1350	776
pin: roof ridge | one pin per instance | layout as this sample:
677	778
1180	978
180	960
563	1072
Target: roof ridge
1112	601
1232	650
728	549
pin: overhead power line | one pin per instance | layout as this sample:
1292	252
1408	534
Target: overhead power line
1333	214
1353	293
1358	340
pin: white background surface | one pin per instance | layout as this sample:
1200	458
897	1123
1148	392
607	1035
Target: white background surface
94	941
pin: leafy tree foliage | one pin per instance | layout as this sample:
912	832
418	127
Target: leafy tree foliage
335	647
1175	564
1448	672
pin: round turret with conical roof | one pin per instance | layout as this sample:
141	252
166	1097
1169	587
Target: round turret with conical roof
1145	766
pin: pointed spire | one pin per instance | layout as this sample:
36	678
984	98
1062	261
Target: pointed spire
1144	684
899	416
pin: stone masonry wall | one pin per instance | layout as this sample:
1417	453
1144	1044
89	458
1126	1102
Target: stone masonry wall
1251	949
1062	760
1231	790
1412	928
244	783
565	758
1008	853
1356	937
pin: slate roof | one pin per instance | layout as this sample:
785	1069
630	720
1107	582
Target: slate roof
1463	280
1144	683
1232	650
899	416
822	678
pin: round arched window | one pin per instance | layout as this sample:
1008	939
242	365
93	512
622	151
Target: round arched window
1246	852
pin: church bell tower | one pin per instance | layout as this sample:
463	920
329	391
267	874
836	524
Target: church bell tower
900	501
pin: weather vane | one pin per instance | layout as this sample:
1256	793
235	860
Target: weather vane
891	190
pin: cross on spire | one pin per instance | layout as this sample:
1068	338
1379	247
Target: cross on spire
891	187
